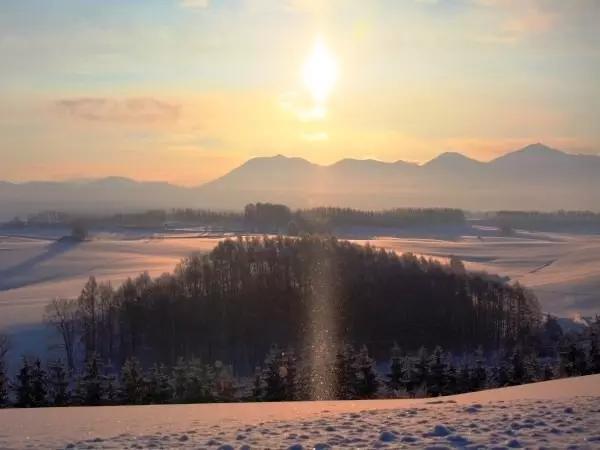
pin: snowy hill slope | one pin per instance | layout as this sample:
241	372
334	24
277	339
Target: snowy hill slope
555	414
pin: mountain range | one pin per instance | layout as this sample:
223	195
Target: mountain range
535	177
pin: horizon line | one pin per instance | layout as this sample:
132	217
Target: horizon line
86	180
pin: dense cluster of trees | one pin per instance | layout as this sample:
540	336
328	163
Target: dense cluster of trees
257	217
273	217
285	376
398	217
232	303
535	220
146	219
276	218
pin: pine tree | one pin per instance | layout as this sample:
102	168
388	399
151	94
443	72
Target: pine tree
464	378
279	376
290	380
39	384
305	384
90	387
257	385
180	381
158	386
533	371
110	384
24	386
366	382
573	360
193	382
111	389
345	373
548	372
407	381
420	372
58	384
500	374
4	384
451	386
132	384
436	372
397	373
518	372
594	354
209	383
479	376
195	386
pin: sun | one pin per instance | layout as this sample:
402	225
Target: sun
320	72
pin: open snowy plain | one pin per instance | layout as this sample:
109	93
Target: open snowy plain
553	415
563	269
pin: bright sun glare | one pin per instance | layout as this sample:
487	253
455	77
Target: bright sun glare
320	72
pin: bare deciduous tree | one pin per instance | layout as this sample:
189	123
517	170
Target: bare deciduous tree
61	313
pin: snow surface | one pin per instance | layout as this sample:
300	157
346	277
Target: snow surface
563	269
35	269
554	414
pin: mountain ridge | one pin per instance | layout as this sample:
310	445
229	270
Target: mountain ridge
444	156
533	177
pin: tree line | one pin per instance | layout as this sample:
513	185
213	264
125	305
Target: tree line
537	220
233	302
144	219
283	376
273	218
269	217
258	217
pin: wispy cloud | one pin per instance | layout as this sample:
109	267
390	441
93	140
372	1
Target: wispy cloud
130	110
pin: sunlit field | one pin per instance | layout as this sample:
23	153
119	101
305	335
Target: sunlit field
562	269
556	413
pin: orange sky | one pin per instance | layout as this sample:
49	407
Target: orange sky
185	90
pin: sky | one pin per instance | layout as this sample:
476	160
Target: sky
185	90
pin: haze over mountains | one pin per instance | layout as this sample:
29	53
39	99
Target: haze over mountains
535	177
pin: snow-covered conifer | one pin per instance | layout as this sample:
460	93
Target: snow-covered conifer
132	382
58	384
366	382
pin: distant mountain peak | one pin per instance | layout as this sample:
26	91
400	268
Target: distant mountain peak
357	162
453	156
451	160
113	180
540	148
532	153
279	158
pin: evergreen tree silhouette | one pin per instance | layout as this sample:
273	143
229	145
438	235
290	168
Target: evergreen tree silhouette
4	385
436	379
398	372
58	384
479	376
90	386
132	383
24	386
345	373
366	382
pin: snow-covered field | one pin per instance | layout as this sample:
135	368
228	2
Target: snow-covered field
34	270
563	269
553	414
